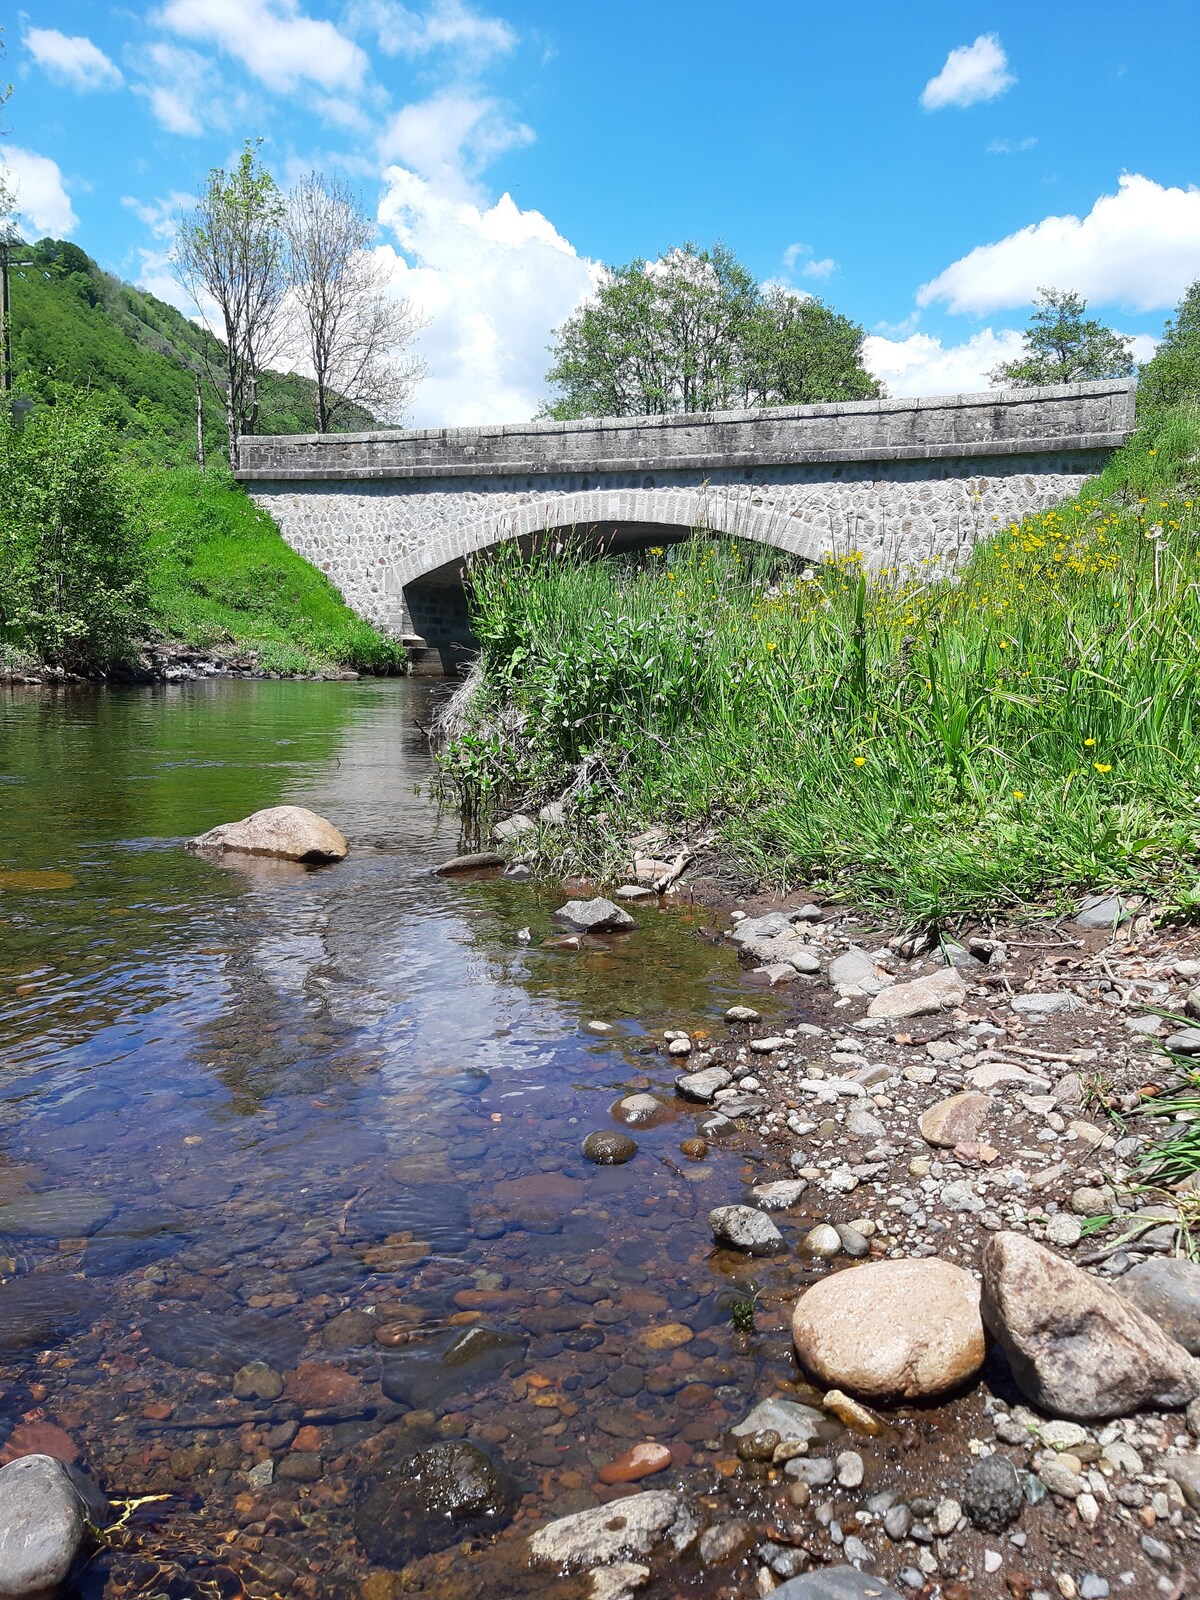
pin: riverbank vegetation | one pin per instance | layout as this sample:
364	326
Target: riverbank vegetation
935	747
107	555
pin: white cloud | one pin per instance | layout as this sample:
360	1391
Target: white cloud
451	137
446	25
1139	247
972	73
1009	147
801	260
921	364
494	283
183	90
272	39
72	59
43	205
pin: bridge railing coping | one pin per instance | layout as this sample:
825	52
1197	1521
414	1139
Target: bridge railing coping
549	427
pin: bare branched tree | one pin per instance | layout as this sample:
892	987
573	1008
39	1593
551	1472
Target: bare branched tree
355	336
231	251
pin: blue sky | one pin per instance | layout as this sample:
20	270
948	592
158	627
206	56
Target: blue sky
924	167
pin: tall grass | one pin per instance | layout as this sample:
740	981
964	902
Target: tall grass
936	746
221	575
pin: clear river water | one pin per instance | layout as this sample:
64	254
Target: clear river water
323	1127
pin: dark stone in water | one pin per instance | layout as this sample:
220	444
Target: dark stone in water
431	1500
435	1212
89	1103
607	1148
57	1214
38	1312
134	1239
429	1372
490	1228
110	1257
472	1082
221	1344
469	1150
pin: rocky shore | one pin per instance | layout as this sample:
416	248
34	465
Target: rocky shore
1000	1310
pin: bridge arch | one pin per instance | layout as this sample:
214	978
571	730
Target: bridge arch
682	511
428	582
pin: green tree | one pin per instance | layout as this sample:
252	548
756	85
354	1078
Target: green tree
1172	376
693	331
797	351
72	545
1062	345
230	251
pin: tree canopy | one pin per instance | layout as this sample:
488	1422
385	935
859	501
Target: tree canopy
1173	375
694	331
1063	345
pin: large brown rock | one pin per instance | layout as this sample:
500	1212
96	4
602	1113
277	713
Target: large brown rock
959	1120
940	991
290	832
892	1330
1078	1348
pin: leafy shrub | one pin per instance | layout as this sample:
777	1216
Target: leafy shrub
72	570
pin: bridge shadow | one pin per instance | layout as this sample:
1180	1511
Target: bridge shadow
437	601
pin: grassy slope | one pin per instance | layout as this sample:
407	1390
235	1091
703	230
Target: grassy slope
220	573
222	576
78	325
929	747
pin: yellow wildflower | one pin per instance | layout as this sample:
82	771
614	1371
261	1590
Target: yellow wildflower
1102	766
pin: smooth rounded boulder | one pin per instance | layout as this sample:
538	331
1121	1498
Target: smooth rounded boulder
289	833
892	1330
43	1528
1077	1347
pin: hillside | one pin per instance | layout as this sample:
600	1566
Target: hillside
217	578
75	324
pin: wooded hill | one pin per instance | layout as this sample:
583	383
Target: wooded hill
75	324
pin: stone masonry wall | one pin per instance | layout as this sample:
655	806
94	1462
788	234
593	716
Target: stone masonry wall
375	538
903	481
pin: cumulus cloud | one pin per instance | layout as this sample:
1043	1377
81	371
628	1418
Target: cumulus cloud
1139	247
446	25
801	260
922	364
72	59
973	72
273	39
494	282
451	137
43	205
183	90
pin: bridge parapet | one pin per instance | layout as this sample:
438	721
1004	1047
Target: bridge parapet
1047	421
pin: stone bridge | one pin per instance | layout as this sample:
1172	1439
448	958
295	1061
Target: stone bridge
391	516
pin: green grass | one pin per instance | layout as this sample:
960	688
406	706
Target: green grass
929	748
221	576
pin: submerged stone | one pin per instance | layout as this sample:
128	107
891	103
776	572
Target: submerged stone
460	1359
221	1343
608	1148
40	1311
430	1500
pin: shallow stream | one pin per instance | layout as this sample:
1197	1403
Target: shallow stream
240	1101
